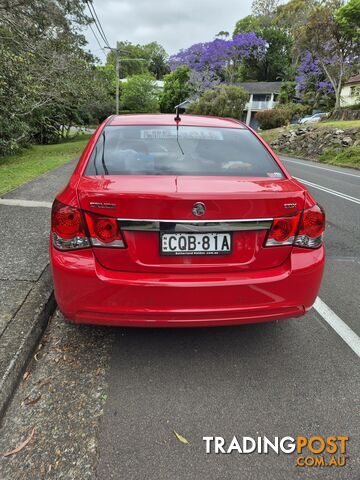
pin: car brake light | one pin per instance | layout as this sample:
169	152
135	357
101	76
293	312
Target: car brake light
303	230
311	229
283	231
104	231
69	231
67	227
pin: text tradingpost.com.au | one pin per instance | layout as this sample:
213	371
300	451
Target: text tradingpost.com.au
313	451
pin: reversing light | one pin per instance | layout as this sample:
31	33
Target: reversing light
311	229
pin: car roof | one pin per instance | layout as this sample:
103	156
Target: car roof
168	119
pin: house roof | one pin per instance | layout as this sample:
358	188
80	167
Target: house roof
354	79
260	87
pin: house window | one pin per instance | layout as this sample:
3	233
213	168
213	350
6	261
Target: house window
260	97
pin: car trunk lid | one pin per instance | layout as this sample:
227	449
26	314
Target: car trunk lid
148	205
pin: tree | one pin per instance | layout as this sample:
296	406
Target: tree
47	79
294	14
177	88
136	59
311	83
264	8
329	41
222	101
287	92
140	94
220	59
223	34
348	18
158	59
276	61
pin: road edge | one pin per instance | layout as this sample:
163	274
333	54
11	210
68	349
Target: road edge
22	335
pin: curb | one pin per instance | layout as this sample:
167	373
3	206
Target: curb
23	333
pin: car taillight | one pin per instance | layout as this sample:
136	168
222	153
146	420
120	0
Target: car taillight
67	227
71	229
304	230
311	229
283	231
104	231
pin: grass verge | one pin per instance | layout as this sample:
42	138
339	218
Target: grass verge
36	160
350	157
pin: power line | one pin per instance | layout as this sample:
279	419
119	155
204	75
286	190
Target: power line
96	38
97	22
97	18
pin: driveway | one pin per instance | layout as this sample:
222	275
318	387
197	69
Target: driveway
290	378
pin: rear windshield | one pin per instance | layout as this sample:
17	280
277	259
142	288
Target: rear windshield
164	150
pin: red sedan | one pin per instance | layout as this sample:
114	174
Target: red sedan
183	223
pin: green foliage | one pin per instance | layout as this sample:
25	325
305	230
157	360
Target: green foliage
277	61
332	40
251	23
176	89
287	92
137	59
222	101
296	109
140	94
348	17
48	82
264	7
273	118
349	157
293	14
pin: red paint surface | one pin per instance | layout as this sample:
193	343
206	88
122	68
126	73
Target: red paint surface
136	286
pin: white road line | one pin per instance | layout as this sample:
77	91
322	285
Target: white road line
320	168
329	190
24	203
338	325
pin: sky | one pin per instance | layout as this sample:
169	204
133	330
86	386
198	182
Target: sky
174	24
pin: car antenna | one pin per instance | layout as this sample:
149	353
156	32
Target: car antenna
177	121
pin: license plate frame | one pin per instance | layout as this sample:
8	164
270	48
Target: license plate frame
197	235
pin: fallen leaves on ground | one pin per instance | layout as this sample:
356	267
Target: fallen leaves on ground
21	446
26	376
45	381
32	401
181	438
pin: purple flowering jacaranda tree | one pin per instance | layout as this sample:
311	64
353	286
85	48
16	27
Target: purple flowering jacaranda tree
220	58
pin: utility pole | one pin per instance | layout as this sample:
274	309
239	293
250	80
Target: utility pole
118	51
117	70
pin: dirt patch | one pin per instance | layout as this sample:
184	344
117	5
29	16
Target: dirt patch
61	396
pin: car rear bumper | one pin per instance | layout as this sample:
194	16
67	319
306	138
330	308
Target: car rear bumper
88	293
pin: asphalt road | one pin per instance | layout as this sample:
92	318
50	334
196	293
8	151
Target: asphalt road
294	377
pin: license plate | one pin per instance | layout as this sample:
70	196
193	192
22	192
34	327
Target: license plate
195	243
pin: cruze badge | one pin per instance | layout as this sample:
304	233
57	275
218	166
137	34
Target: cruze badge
102	205
198	209
290	205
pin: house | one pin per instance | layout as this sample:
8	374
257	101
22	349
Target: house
350	92
263	96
